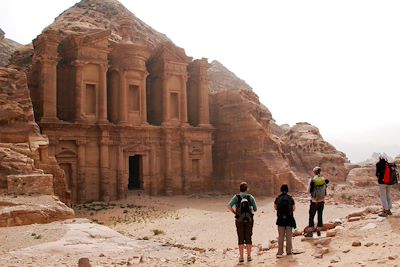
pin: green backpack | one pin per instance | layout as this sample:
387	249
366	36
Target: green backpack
319	191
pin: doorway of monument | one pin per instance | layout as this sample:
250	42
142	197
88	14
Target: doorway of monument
135	173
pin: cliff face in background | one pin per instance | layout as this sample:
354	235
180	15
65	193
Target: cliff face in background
7	48
244	148
305	148
250	146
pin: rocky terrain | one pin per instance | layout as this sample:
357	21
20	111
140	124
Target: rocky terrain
25	167
7	48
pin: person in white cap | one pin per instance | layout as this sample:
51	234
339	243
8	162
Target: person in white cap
317	192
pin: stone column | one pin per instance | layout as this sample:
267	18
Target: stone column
49	88
185	169
121	188
105	193
143	100
102	100
81	185
79	91
184	111
123	99
153	171
204	112
146	174
165	98
208	163
167	162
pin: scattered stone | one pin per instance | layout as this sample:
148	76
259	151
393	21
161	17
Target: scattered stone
369	226
101	255
346	251
339	228
331	233
84	262
318	255
369	244
323	241
392	258
353	219
356	243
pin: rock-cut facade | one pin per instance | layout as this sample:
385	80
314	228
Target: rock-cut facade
121	115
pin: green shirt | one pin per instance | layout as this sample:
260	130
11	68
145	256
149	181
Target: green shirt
234	201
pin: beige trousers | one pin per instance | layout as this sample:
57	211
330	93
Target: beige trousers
285	232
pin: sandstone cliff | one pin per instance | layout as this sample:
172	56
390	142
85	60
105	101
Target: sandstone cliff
250	146
7	47
23	150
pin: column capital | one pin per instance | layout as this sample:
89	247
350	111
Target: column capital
80	142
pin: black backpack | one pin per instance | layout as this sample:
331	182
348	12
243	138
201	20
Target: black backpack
394	174
243	210
284	208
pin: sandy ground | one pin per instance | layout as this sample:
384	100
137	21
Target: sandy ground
194	230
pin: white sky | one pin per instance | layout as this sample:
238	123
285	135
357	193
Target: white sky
335	64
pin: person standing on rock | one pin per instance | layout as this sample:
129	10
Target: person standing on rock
317	192
285	206
243	205
383	175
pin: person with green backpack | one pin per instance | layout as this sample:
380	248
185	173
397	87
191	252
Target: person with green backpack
245	206
317	192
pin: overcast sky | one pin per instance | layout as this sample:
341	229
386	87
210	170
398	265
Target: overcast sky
334	64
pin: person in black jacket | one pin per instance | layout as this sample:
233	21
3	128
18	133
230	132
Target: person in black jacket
285	206
382	173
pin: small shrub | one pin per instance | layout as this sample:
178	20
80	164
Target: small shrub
145	238
193	238
158	232
37	236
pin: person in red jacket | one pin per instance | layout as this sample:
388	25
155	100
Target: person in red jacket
383	175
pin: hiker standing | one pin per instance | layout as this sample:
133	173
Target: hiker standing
383	175
245	206
317	192
285	206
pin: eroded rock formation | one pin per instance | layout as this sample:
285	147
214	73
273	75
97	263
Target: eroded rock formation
305	148
250	146
7	48
23	150
23	210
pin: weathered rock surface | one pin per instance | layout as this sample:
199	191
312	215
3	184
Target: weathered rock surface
16	113
221	79
305	148
362	176
244	148
22	148
7	47
23	210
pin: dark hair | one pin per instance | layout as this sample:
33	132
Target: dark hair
243	187
284	188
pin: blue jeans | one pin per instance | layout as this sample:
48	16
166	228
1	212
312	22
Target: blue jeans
384	193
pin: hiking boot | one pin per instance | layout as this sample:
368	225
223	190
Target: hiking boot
279	256
249	258
309	234
241	259
388	212
383	214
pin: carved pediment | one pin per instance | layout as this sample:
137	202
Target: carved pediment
167	51
67	153
136	148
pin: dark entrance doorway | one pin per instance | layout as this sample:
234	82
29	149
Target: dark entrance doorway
135	172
